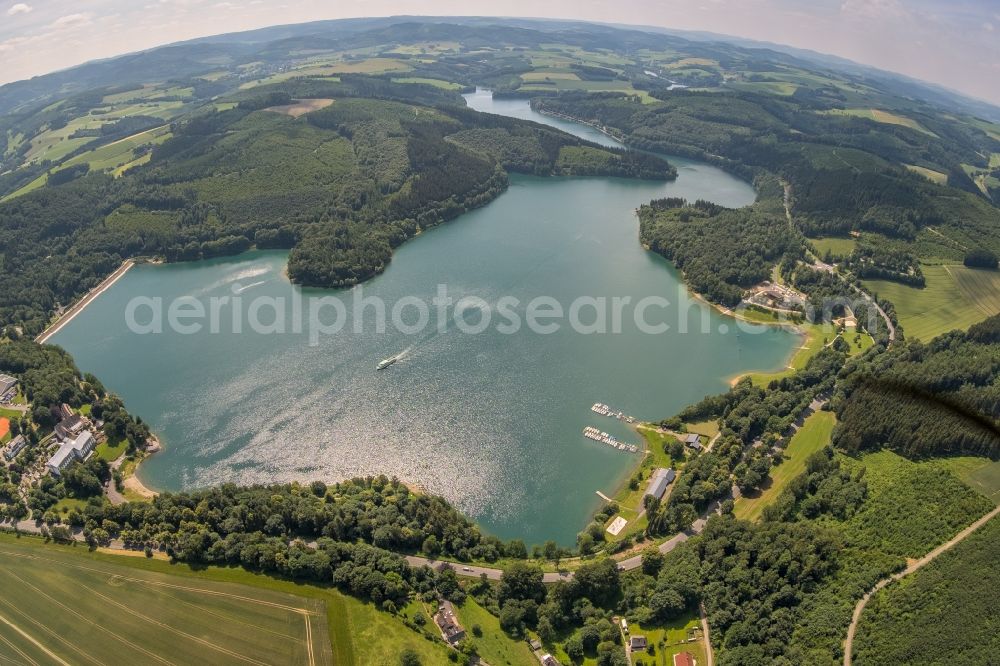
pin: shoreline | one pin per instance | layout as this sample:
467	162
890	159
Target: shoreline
89	298
132	481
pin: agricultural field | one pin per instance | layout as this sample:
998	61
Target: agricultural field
880	116
115	155
259	618
811	437
59	606
437	83
955	298
301	107
930	174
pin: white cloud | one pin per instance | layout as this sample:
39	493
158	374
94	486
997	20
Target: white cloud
988	26
71	21
19	8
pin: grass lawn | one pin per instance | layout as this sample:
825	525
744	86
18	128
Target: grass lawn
838	247
670	639
707	429
811	437
494	645
955	298
67	504
111	450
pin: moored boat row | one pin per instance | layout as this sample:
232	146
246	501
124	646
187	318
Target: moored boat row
590	432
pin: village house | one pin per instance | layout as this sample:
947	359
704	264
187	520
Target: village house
549	660
693	441
637	643
449	625
684	659
71	451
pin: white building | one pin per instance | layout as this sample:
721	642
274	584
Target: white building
70	451
16	446
7	385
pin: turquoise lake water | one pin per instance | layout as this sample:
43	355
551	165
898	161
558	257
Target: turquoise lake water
491	421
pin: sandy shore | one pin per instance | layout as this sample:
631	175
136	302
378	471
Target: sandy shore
85	301
135	485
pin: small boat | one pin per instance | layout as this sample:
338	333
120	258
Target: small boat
385	363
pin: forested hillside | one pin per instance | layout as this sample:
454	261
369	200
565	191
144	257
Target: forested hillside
922	400
343	186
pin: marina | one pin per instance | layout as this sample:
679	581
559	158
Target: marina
590	432
606	410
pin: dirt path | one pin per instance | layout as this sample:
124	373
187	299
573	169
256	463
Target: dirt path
709	655
913	566
52	655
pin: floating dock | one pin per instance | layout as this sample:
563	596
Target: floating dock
605	410
590	432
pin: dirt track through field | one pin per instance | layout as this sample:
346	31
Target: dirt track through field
38	645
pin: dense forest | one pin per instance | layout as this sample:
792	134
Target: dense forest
921	400
721	251
945	604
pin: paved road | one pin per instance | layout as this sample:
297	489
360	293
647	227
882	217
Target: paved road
926	559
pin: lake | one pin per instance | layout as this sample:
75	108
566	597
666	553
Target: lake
492	421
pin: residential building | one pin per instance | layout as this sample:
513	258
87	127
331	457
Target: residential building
658	482
637	643
71	451
7	386
684	659
549	660
15	446
448	623
693	440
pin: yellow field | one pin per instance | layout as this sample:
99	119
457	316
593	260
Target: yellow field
880	116
437	83
929	174
955	298
370	66
554	76
811	437
301	107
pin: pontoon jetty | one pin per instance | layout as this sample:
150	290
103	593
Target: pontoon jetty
590	432
605	410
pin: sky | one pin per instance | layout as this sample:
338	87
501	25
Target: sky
952	42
